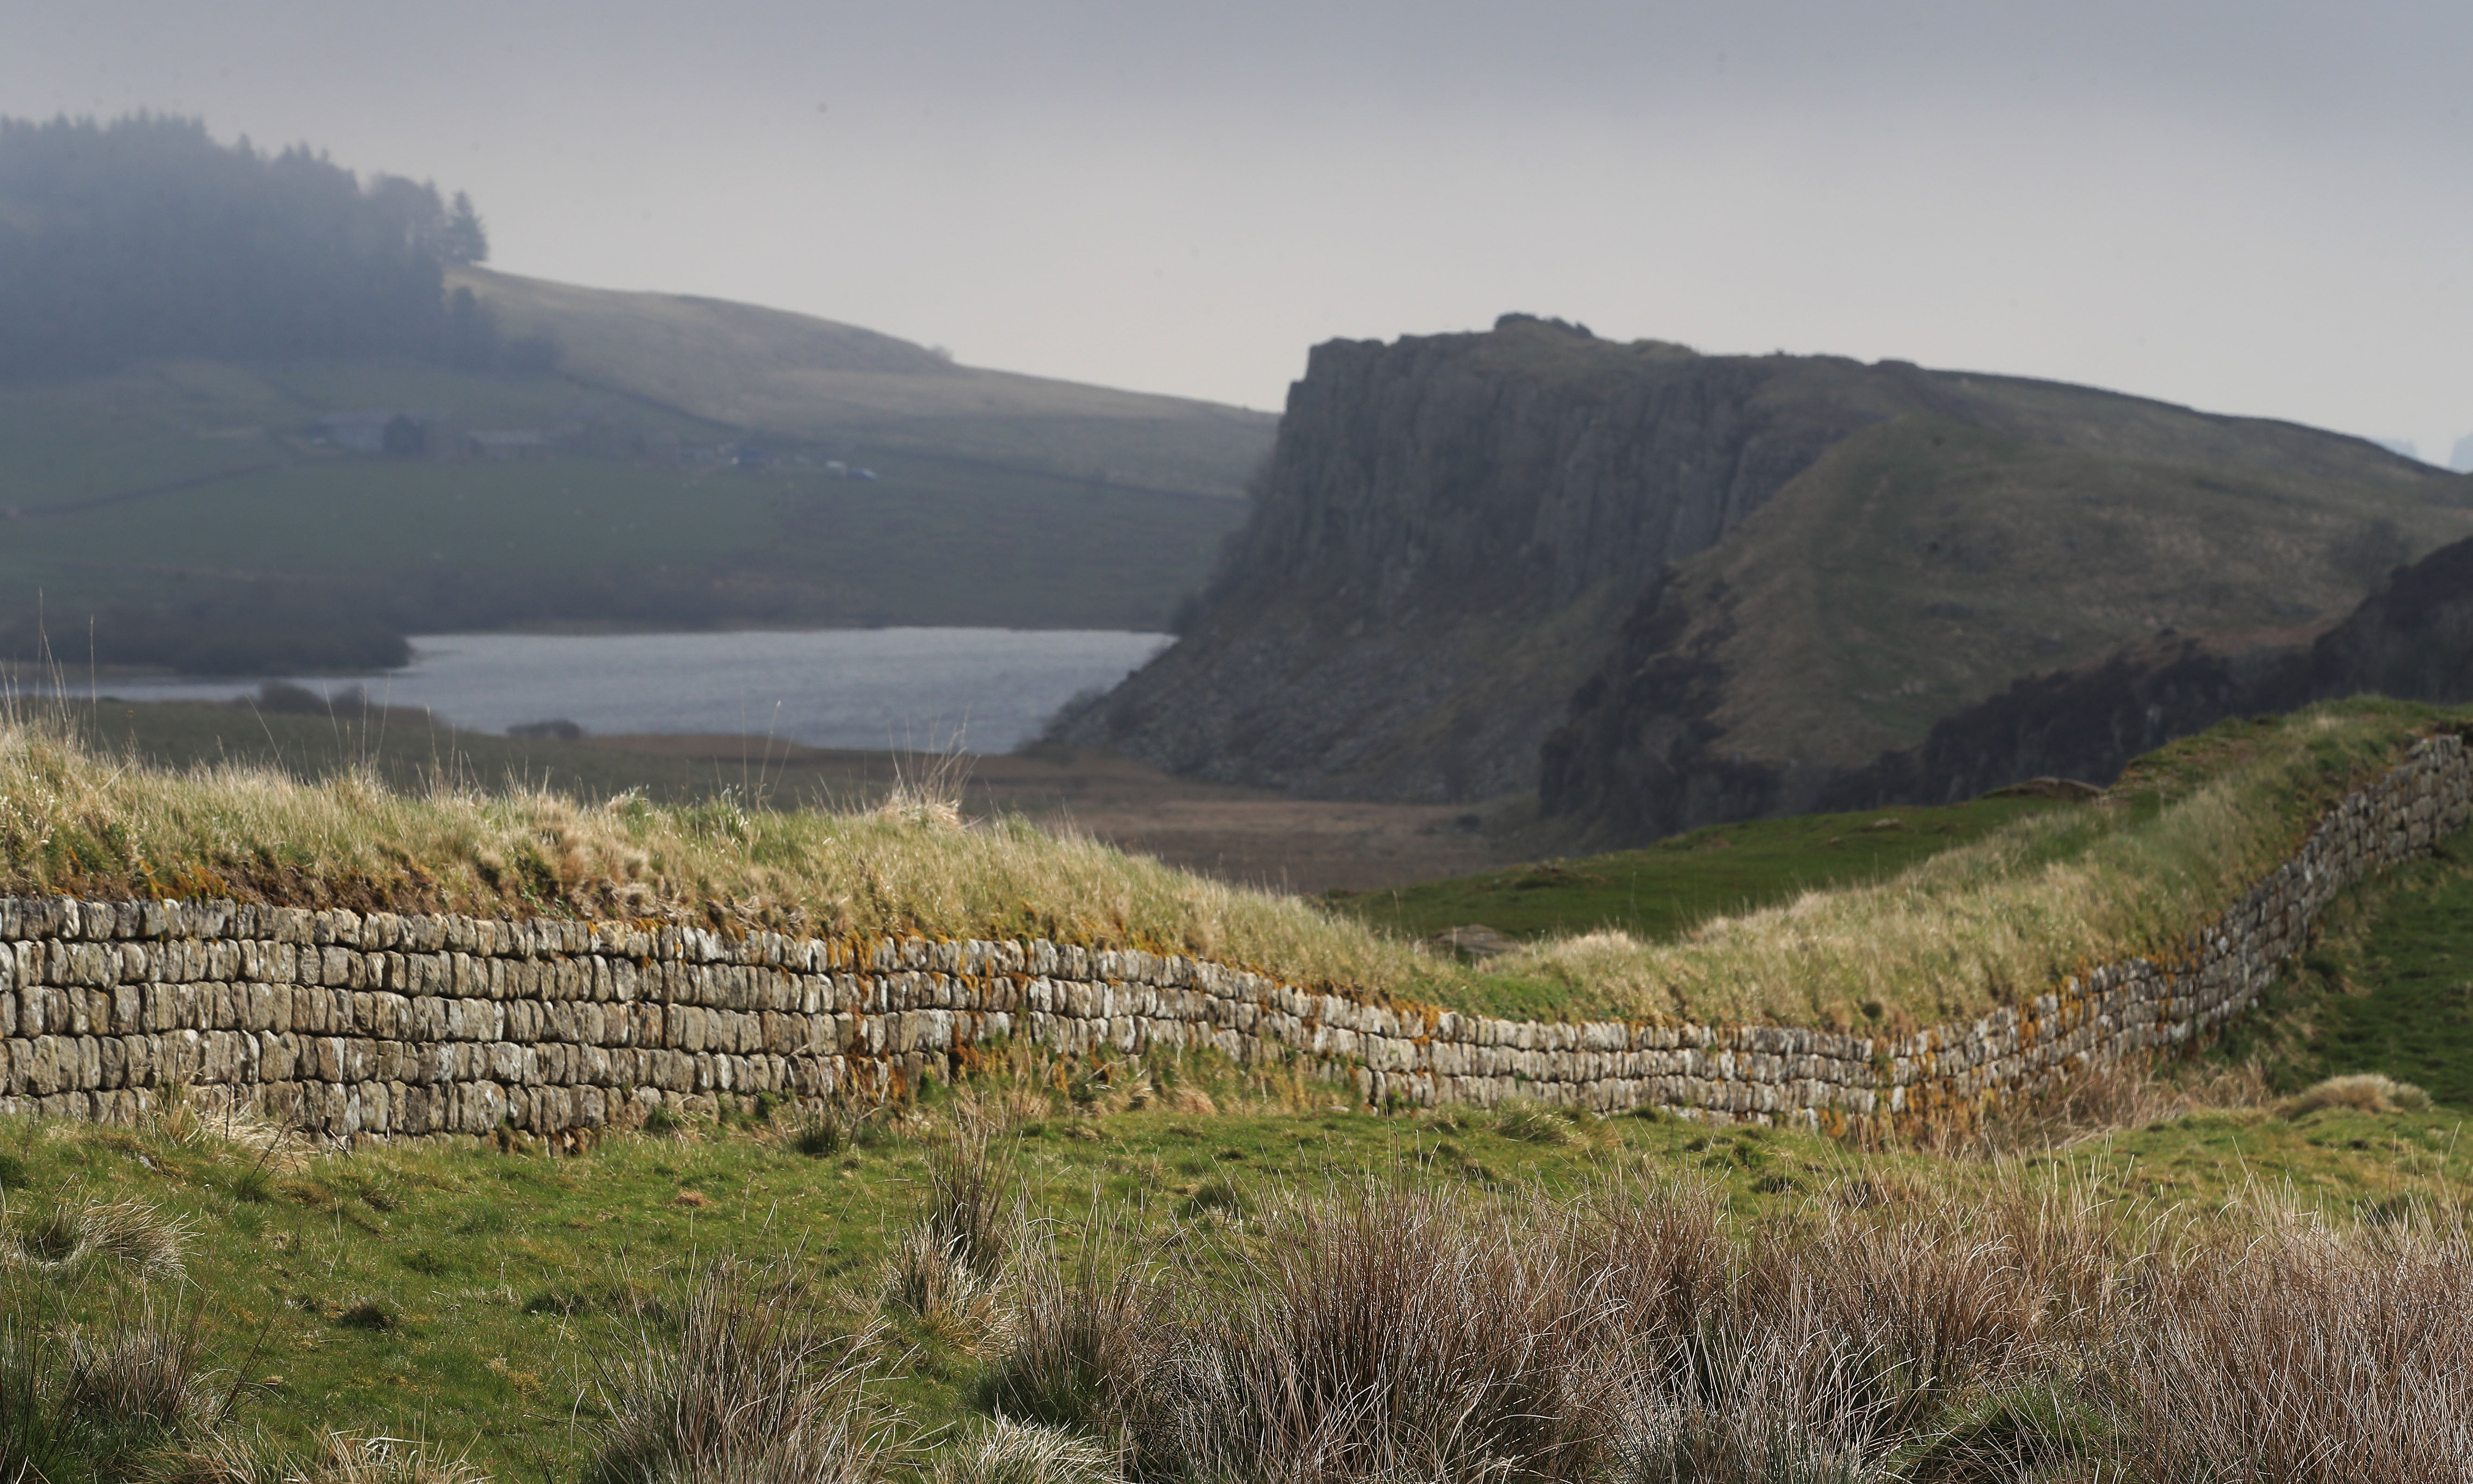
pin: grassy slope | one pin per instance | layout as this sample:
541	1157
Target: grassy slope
1923	565
2387	988
2002	918
1663	890
442	545
463	1295
814	379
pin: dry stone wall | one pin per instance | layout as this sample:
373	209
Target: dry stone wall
351	1024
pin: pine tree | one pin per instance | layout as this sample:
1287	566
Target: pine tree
463	241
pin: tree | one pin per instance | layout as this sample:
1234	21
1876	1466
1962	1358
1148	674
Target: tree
463	241
146	237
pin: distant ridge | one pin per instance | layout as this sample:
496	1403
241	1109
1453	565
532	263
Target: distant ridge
800	376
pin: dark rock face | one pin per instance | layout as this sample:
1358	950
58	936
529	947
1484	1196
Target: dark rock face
2412	639
1639	757
1449	532
2083	724
1635	758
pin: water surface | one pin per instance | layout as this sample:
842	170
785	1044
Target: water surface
985	690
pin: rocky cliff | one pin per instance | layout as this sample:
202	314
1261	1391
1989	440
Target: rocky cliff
1447	534
1758	574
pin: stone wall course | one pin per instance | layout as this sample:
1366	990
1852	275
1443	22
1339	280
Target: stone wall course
390	1024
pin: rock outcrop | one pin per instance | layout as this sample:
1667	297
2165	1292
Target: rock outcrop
1448	533
1776	568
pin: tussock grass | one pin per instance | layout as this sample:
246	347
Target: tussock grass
1650	1334
2370	1092
337	1458
2002	919
1003	1452
750	1385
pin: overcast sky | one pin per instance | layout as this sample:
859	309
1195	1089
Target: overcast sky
2253	207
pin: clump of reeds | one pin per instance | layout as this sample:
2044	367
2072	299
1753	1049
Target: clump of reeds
102	1400
751	1384
1648	1333
2304	1353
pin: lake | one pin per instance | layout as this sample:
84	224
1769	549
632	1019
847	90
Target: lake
984	689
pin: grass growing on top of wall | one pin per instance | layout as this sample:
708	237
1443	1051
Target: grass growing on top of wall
2179	837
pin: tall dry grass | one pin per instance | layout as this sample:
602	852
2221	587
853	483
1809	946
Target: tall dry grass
751	1384
1647	1333
1990	923
79	822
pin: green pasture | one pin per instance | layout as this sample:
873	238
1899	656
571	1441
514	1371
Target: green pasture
467	1293
173	482
1663	891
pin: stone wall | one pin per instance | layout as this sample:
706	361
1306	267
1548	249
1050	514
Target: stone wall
351	1024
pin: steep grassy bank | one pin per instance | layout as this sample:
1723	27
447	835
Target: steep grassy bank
2174	843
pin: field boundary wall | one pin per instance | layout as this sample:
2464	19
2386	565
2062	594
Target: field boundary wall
350	1024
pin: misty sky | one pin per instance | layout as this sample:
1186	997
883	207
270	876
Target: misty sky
2253	208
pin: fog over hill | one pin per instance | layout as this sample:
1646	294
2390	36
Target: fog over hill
265	414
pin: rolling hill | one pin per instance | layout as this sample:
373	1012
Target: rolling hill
796	376
189	513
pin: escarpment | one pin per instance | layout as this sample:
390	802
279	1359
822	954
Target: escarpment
1755	574
1447	532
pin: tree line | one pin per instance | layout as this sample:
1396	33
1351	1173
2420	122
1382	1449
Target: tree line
144	236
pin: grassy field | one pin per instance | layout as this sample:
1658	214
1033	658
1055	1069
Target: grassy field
494	1304
796	376
1664	892
176	499
2387	988
186	483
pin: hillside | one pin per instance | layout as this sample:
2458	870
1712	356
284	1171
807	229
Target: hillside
1856	643
1458	533
2412	640
264	413
795	376
187	513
